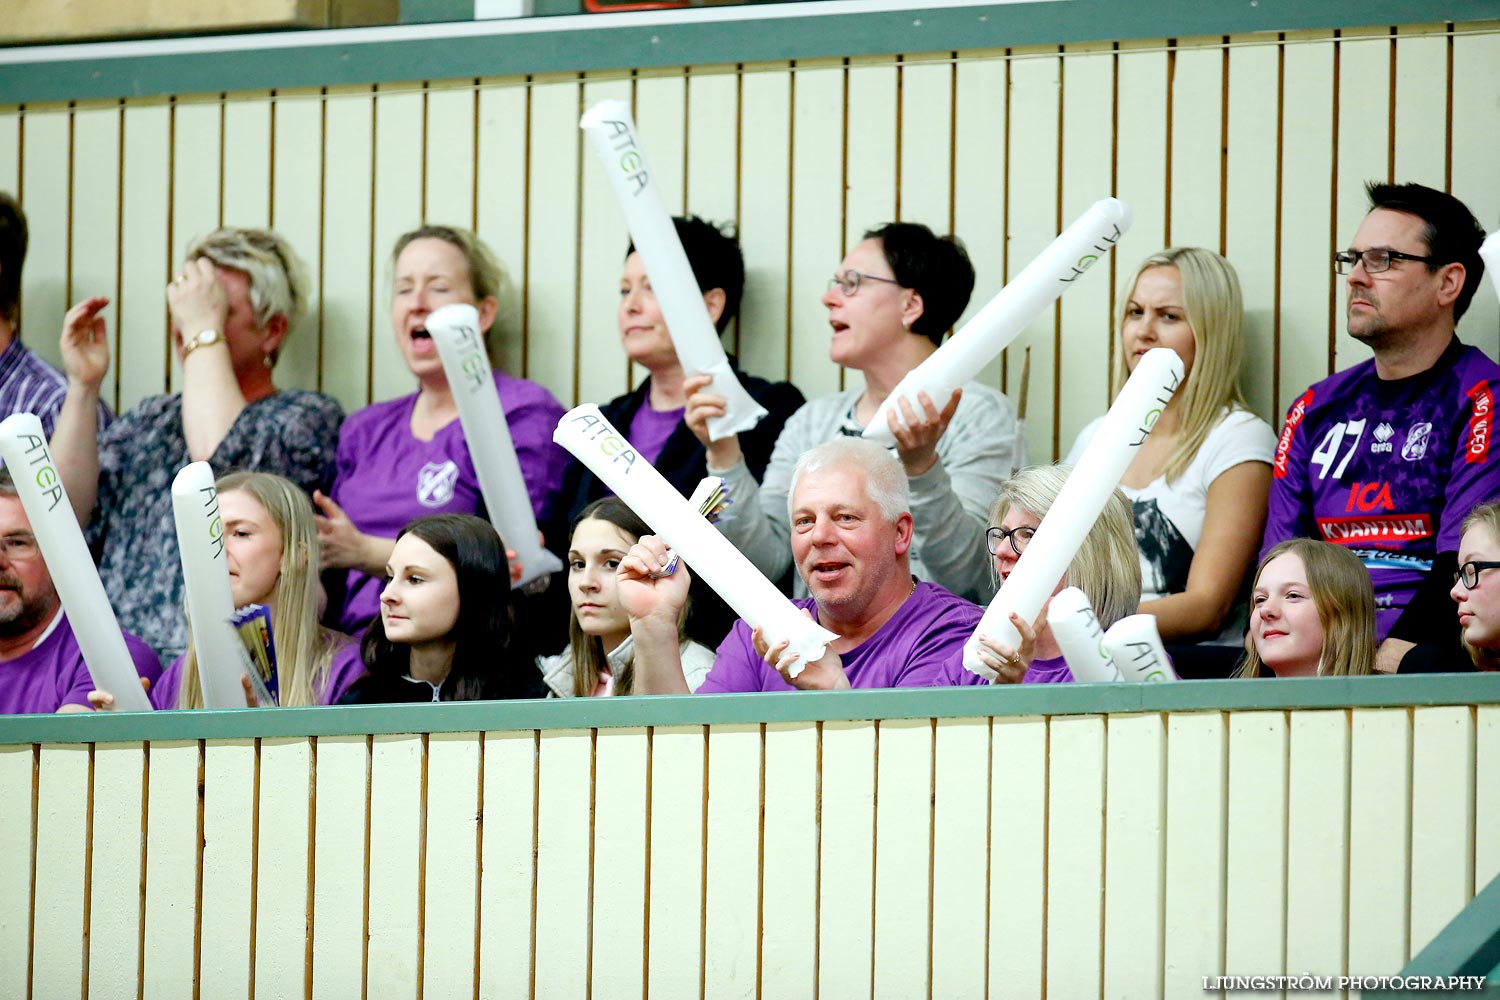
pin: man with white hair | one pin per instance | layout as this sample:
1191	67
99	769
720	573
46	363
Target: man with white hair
851	538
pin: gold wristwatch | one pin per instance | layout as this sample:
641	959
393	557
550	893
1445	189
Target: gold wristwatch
203	339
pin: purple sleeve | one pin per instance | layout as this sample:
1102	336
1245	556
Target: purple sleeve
75	690
346	668
147	663
1289	512
164	692
736	667
346	457
1475	477
938	659
532	413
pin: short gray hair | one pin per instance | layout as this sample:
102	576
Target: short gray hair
278	280
885	479
7	484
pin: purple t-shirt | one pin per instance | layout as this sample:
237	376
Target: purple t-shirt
1048	672
1388	468
53	673
649	430
345	669
917	647
386	477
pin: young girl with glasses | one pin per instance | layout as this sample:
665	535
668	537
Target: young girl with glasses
1476	587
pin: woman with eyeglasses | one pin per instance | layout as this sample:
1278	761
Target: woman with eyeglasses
890	303
1198	485
1476	587
1106	568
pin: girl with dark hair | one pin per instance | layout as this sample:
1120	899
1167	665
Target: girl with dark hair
600	657
444	631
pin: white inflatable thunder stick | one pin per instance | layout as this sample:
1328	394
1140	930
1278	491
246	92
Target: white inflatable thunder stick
24	448
1135	645
1003	318
611	132
205	577
585	432
1080	636
1045	561
460	343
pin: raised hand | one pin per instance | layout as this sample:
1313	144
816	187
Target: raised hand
916	443
85	342
644	595
1010	664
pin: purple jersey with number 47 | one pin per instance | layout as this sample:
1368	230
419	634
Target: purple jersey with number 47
1389	468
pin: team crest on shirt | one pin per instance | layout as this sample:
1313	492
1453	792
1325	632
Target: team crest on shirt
1416	442
435	483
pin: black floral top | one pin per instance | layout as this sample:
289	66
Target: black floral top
292	433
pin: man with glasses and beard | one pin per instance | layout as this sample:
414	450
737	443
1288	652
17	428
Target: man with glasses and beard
1389	456
41	667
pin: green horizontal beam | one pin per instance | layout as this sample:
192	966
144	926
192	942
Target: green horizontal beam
626	41
694	710
1468	946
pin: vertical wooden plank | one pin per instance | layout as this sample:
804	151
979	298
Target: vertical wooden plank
296	213
348	170
552	245
507	888
501	221
1380	797
1476	150
1307	277
816	222
139	350
46	161
676	853
394	947
1250	214
1487	801
115	888
1364	138
1141	143
1421	86
197	160
1018	837
1197	142
601	261
398	209
61	845
17	840
172	831
619	851
562	851
247	159
871	155
1134	852
1317	862
451	889
789	936
1032	180
661	116
847	861
1197	789
1442	818
765	219
1088	323
94	217
960	820
903	842
448	190
711	184
340	832
1075	855
978	195
282	876
1256	887
228	853
926	190
10	143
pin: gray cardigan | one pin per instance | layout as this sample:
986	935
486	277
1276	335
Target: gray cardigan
950	502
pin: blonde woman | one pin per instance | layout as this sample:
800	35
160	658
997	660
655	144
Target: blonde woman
1106	568
1312	613
271	545
1198	485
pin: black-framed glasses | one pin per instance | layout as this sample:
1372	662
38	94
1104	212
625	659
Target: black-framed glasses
848	282
1375	260
1469	572
1019	538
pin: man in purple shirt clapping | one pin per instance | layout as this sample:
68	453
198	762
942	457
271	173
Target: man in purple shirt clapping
851	538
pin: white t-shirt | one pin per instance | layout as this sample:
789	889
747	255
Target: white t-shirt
1169	516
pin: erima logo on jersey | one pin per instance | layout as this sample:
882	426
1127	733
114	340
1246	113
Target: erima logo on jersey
1415	448
435	483
1375	528
1382	443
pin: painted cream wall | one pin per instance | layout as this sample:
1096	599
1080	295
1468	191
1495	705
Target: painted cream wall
1253	145
1117	855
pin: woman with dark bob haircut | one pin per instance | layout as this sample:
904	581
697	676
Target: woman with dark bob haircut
445	628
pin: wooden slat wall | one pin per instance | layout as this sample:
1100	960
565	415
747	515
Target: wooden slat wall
1251	145
1093	855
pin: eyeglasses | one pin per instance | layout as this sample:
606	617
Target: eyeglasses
1469	572
849	281
1375	261
1019	538
18	546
